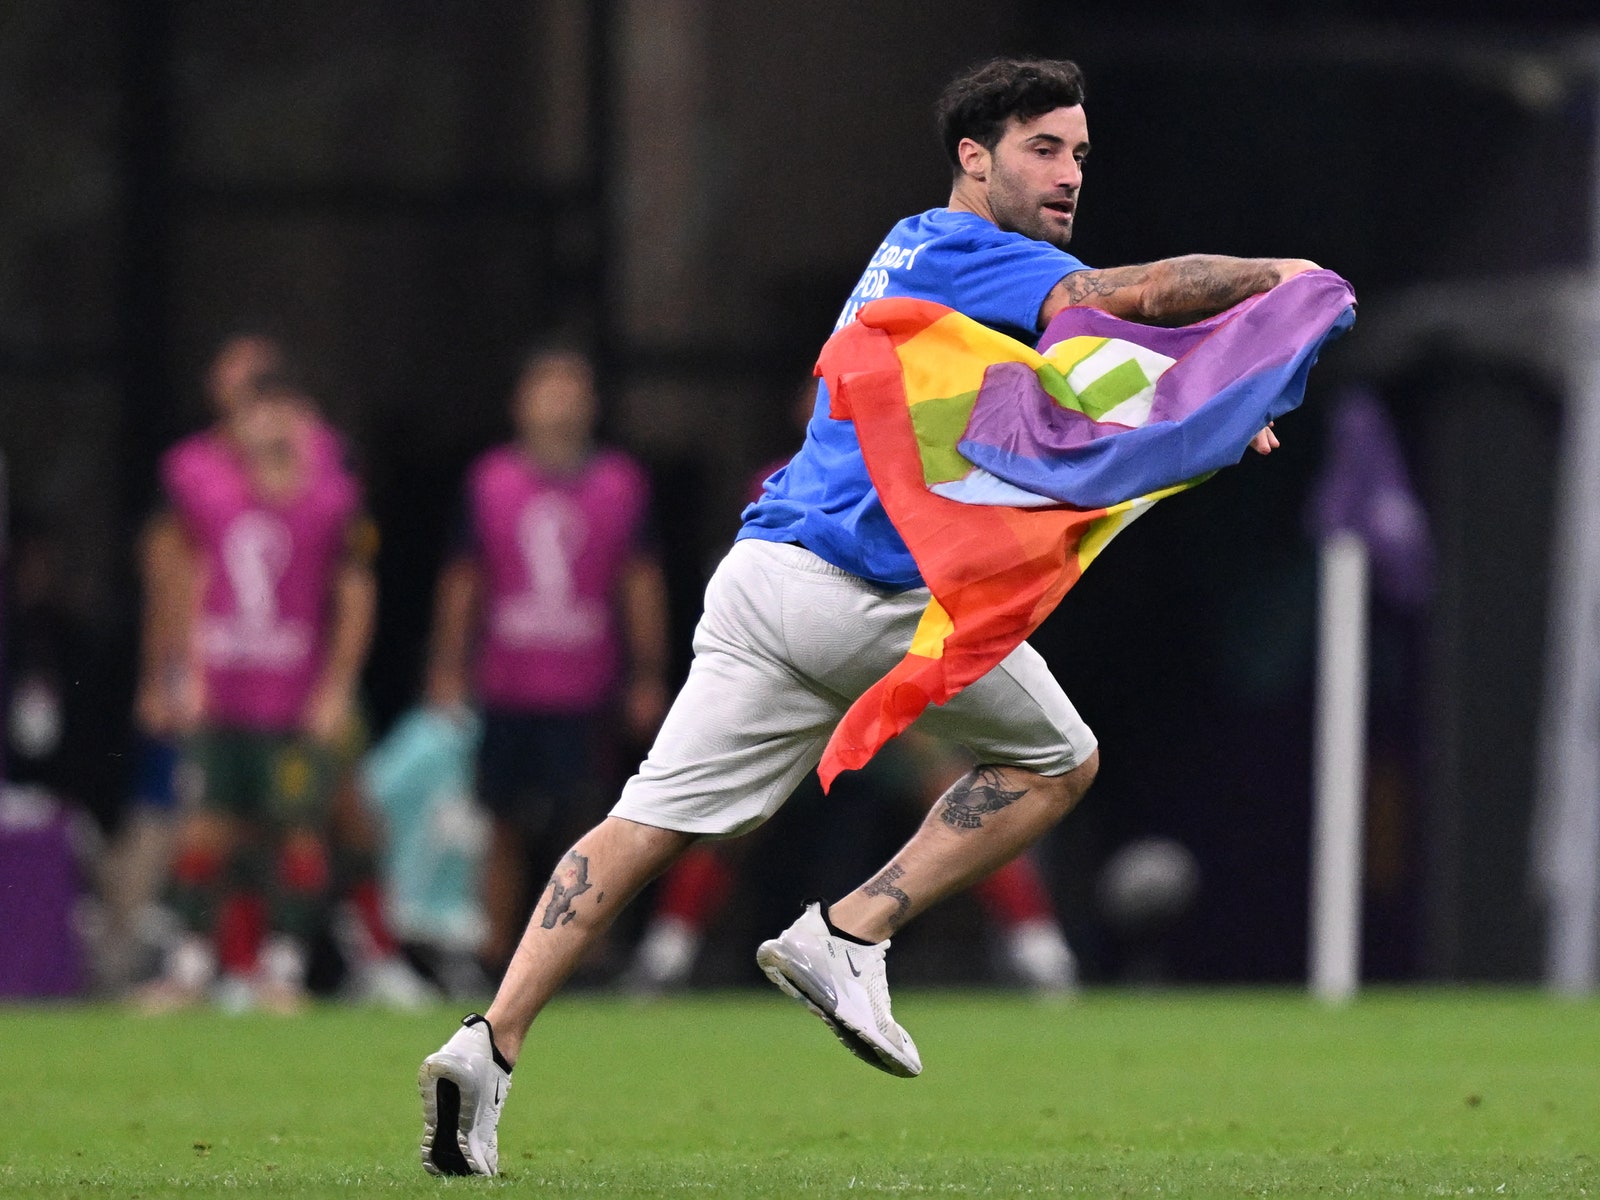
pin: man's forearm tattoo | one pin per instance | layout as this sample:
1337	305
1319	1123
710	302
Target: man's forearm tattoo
1208	284
1081	286
981	793
571	880
1175	290
883	885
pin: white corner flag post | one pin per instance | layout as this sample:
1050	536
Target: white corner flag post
1340	768
1566	829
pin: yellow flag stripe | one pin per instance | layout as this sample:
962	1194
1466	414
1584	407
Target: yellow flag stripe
1118	517
949	358
1064	356
935	626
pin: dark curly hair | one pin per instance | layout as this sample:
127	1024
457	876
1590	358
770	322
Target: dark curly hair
979	102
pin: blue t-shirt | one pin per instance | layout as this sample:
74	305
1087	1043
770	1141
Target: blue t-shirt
823	498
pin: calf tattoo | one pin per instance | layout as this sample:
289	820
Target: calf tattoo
883	885
965	805
571	880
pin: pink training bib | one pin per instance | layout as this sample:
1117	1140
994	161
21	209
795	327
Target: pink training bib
269	569
553	550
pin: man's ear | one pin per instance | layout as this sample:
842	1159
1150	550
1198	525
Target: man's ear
974	159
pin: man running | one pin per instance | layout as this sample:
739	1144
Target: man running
819	598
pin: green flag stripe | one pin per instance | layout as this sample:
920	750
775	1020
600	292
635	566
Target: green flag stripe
1111	389
939	425
1055	383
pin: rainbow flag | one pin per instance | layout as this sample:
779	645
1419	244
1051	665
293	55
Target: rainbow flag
1007	469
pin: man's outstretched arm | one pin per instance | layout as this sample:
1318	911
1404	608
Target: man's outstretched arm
1171	291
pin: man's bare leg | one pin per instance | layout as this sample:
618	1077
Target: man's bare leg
832	958
988	817
592	883
464	1083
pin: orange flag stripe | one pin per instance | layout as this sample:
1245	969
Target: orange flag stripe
994	572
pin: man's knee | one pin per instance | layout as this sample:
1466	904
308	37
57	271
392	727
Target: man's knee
1066	789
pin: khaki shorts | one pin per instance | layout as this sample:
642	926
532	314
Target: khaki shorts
787	642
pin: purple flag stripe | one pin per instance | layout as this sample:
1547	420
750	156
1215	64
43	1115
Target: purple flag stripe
1012	387
1233	374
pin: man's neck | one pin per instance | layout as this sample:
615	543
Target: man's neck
968	195
559	457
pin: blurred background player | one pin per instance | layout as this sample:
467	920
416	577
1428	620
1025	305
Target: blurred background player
550	614
908	775
274	577
164	706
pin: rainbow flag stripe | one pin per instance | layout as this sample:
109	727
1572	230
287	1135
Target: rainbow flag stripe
1008	469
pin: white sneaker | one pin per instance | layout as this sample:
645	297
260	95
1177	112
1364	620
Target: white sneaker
281	976
390	982
844	983
188	971
1037	954
463	1089
234	994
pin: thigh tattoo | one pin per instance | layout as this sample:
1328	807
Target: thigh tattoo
980	794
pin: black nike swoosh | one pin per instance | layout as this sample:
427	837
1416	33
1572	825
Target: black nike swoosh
852	963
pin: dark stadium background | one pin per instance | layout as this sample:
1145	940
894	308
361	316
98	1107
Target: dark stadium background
410	192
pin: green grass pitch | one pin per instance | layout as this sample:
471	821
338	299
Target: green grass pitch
1424	1093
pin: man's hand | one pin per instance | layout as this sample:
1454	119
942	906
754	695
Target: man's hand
1288	268
186	702
328	713
644	705
1266	441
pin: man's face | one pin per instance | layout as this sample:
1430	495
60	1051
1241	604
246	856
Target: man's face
556	398
1035	173
239	372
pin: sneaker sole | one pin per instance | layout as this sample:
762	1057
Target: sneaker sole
442	1110
795	981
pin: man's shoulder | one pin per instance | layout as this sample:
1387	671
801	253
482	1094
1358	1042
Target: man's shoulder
198	460
329	451
617	477
945	241
196	447
613	461
497	462
940	224
966	262
960	227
